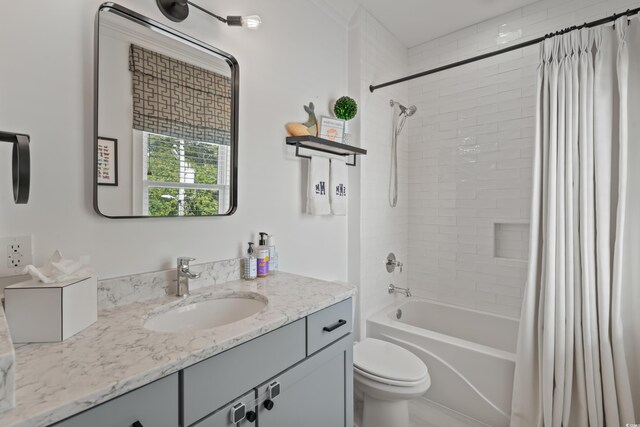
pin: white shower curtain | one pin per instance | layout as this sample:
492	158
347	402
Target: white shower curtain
578	361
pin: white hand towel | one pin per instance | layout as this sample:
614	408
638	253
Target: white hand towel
338	182
318	186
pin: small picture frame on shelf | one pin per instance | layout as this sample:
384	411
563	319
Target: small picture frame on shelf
107	161
332	129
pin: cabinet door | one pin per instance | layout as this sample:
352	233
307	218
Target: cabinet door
212	383
154	405
222	418
318	392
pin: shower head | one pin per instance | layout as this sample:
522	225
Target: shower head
408	112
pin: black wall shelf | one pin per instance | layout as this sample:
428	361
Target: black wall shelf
325	146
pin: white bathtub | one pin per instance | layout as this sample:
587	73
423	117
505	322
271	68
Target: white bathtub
470	354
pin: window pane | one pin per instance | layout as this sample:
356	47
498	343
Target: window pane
163	160
202	158
163	206
182	202
173	160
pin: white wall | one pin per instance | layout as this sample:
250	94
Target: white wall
470	156
298	55
382	229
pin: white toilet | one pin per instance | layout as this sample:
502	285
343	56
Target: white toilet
386	377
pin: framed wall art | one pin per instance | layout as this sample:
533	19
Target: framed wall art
332	129
107	161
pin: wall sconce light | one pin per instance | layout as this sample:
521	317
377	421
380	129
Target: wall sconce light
21	165
178	10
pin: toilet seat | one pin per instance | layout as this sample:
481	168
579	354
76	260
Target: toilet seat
388	381
388	363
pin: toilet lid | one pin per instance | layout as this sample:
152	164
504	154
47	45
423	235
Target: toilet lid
388	361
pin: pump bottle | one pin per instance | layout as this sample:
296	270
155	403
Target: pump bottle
262	255
273	254
250	264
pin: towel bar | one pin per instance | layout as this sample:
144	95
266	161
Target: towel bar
21	165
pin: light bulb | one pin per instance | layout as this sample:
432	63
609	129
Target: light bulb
252	21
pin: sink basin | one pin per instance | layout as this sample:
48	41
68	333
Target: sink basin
207	314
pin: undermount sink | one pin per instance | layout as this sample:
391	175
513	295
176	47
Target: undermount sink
206	314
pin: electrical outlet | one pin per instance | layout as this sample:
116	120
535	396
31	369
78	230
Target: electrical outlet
17	254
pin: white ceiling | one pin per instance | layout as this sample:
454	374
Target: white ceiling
418	21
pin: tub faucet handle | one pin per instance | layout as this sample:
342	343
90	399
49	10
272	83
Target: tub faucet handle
392	263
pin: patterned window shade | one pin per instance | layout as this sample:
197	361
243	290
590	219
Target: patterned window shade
180	100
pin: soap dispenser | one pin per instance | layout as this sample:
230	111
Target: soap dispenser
250	264
262	255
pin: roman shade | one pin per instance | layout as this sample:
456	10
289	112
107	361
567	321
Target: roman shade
177	99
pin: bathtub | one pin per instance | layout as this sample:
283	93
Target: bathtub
470	354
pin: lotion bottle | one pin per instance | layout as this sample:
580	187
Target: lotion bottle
273	254
262	254
250	264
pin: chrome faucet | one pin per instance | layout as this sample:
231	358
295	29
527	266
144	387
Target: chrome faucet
184	272
393	289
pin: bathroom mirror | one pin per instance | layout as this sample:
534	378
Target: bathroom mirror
166	121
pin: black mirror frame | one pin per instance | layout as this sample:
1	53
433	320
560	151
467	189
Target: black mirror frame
235	78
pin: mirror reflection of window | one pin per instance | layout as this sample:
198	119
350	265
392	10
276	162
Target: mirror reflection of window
183	178
170	102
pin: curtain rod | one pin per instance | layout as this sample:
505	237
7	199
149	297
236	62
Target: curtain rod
601	21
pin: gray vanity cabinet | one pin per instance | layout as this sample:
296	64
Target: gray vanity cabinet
315	393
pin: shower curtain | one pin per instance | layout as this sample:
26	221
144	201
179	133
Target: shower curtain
578	357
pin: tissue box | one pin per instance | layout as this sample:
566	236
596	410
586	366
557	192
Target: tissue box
50	312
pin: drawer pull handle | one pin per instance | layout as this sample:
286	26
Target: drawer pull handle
332	328
137	424
251	416
268	404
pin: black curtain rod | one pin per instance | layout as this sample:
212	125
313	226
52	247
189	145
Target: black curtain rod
611	18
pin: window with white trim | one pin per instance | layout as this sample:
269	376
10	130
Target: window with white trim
183	178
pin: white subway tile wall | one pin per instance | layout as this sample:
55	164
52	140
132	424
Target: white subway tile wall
470	156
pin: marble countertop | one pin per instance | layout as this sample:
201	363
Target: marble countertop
117	354
7	366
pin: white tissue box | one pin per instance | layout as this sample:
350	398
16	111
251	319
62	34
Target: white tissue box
50	312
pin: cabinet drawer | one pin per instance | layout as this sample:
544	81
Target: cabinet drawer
214	382
328	325
154	405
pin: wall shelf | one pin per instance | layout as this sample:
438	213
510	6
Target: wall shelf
325	146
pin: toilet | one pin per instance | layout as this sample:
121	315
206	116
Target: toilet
386	377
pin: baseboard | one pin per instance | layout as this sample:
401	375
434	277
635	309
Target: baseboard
426	413
433	414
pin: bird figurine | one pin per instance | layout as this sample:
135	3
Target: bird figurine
310	127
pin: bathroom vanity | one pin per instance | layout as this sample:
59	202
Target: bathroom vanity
312	383
288	365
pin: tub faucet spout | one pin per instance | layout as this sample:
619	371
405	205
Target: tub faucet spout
393	289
